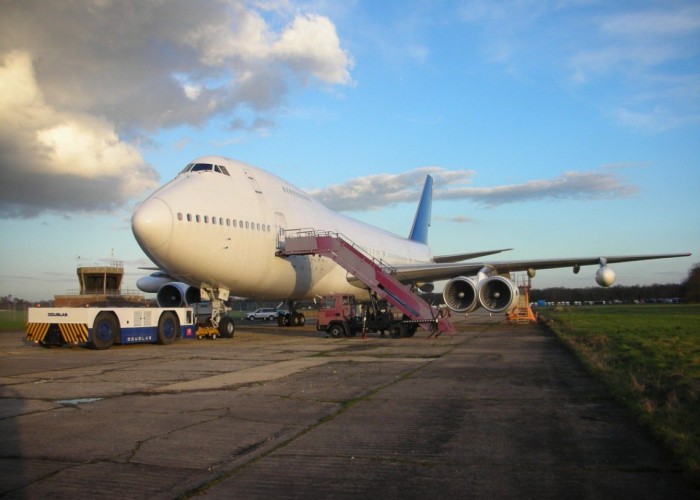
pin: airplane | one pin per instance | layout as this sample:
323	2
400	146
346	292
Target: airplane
216	231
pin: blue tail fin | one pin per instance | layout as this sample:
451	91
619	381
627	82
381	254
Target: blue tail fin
421	223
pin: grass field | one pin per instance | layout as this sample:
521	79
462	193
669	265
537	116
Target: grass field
649	358
12	320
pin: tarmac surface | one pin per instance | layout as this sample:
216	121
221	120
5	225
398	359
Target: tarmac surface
495	411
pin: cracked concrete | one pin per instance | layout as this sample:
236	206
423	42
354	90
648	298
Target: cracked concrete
494	411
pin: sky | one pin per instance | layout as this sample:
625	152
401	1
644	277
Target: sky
559	128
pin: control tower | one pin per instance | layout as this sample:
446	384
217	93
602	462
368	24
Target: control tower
100	285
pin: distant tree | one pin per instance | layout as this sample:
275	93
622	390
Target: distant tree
691	285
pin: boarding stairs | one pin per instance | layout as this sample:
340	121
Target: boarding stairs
522	314
374	273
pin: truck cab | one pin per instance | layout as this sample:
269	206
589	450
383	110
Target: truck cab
338	315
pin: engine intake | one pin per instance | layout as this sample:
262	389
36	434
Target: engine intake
177	295
497	294
459	294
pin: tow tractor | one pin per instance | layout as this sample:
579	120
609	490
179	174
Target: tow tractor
341	316
102	327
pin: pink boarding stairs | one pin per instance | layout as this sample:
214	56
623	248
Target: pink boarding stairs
374	273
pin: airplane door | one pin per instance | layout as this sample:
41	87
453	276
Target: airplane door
280	226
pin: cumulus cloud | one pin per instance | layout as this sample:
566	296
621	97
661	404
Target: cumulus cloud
59	160
81	80
376	191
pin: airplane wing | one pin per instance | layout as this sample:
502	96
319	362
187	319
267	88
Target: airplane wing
441	271
466	256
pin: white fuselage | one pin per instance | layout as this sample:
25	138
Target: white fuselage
221	229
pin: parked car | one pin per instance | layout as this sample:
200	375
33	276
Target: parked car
264	313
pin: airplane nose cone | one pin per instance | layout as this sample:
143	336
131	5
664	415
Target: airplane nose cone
152	223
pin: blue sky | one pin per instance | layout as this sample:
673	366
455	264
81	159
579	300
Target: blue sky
560	129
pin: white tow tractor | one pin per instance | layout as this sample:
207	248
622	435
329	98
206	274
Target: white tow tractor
102	327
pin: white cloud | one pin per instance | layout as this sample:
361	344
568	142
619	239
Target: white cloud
44	150
83	81
311	45
376	191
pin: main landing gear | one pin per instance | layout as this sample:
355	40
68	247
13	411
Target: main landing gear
293	317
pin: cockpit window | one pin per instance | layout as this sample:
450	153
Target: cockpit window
205	167
201	167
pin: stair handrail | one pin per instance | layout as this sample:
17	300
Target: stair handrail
385	267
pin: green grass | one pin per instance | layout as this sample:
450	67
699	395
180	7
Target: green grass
649	357
11	321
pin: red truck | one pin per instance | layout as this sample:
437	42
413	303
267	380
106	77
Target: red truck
341	316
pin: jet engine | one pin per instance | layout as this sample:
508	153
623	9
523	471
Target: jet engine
497	294
153	282
460	294
177	294
605	276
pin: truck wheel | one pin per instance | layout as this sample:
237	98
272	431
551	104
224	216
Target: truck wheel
410	331
105	330
336	331
396	331
226	327
168	327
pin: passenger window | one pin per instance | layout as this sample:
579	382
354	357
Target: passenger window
206	219
179	216
197	218
221	221
247	225
258	226
189	217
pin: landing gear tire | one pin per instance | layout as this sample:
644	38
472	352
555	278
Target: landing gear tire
226	327
105	330
298	319
168	327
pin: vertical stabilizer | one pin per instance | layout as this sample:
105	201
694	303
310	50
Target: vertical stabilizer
421	223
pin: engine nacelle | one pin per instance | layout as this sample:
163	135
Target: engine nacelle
177	294
459	294
497	294
605	276
153	282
